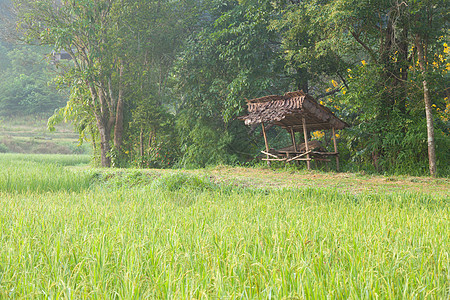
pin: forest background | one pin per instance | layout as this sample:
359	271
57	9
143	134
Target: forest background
160	83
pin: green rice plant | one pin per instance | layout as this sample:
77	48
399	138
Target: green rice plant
69	234
30	176
60	159
139	242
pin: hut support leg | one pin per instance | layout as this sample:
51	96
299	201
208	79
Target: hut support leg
265	141
294	143
305	134
293	139
335	149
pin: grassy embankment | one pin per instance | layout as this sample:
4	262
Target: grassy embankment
220	233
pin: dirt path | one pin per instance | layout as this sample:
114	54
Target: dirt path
348	182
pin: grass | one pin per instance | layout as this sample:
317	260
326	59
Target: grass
41	173
58	159
181	235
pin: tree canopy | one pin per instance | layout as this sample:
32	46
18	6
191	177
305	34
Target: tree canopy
160	83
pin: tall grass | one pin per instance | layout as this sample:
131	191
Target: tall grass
59	159
65	236
157	242
41	173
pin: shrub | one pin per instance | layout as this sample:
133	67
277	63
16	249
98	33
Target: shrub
178	181
3	148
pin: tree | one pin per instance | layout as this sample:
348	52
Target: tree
117	48
377	40
233	56
89	31
429	19
303	34
159	29
142	71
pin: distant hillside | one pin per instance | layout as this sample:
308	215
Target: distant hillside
30	135
25	78
24	75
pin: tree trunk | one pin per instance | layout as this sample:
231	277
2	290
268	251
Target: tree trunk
94	144
103	124
423	61
118	128
105	148
430	129
141	143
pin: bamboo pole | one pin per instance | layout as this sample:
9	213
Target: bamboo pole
298	156
286	160
335	149
265	141
269	154
305	134
293	139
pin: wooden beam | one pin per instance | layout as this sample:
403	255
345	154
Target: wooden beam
285	159
269	154
293	139
335	149
274	159
324	126
298	156
324	153
265	141
305	134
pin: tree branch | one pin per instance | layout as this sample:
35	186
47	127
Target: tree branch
371	52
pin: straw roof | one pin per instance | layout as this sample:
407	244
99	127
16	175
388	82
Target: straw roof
288	110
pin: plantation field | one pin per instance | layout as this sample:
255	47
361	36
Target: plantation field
73	232
30	135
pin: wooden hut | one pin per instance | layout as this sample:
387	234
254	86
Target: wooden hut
295	112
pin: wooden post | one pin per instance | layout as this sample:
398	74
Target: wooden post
335	149
265	141
326	146
293	139
305	134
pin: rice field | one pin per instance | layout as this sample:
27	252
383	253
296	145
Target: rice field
77	233
42	173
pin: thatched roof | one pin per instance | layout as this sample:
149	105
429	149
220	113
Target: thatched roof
288	110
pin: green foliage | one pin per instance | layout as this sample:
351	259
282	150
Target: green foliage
368	48
150	130
203	144
183	70
443	152
308	53
232	58
24	84
122	52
